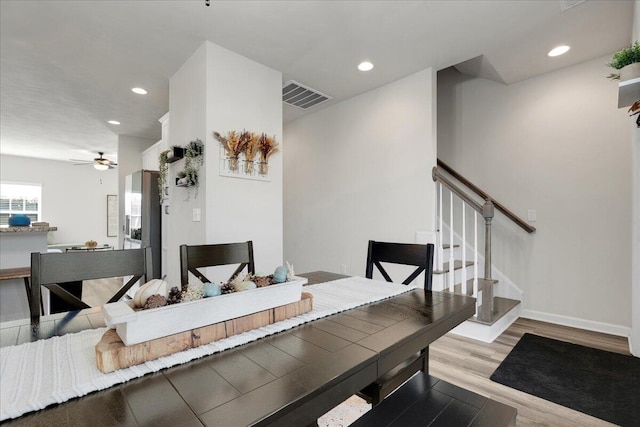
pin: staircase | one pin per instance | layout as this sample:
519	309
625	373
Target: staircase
463	209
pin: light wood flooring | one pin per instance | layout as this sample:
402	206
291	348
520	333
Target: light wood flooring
469	364
97	292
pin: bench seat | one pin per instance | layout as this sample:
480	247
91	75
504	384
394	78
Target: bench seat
426	400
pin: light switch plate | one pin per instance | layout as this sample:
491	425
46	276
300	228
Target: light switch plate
196	214
531	215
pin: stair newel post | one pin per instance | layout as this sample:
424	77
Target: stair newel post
487	214
486	313
440	247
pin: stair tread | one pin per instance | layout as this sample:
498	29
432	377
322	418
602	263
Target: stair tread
501	306
457	264
457	288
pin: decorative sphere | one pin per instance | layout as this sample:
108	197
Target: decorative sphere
280	275
245	286
19	220
211	290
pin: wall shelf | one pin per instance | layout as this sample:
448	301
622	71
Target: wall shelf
628	92
183	184
177	154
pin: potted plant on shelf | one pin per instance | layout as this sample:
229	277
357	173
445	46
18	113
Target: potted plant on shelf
627	61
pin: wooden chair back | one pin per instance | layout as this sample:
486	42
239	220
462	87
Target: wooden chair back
420	256
197	256
51	269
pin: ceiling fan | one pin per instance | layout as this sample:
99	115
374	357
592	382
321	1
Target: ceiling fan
100	163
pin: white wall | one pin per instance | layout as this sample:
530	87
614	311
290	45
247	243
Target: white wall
556	144
187	106
74	198
243	94
360	170
219	90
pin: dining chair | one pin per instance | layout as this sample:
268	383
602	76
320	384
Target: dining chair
53	269
420	256
197	256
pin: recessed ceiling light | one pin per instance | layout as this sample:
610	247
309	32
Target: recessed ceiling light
113	122
139	91
559	50
365	66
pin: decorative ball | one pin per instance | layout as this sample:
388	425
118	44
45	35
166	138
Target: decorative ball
212	290
19	220
245	286
175	296
280	275
152	287
261	281
155	301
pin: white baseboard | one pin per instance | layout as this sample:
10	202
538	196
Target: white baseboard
574	322
484	333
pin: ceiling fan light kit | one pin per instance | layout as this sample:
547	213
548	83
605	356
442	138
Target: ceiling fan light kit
99	163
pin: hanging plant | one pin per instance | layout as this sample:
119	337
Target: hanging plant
194	149
164	170
267	146
193	160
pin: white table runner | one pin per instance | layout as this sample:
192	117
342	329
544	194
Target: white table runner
37	374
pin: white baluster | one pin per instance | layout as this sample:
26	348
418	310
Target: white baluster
463	245
475	257
451	259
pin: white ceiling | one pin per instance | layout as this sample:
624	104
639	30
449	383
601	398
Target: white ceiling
68	66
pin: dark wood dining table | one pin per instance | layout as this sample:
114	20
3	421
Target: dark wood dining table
288	379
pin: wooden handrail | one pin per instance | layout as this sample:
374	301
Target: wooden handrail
513	217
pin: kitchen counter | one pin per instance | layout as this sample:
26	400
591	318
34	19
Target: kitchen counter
28	229
16	246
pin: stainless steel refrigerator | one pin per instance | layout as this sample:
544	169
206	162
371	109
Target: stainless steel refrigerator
142	225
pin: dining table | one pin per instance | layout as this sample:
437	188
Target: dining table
290	378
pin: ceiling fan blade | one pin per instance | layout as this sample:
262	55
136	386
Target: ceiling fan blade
80	161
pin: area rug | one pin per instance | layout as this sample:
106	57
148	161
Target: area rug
595	382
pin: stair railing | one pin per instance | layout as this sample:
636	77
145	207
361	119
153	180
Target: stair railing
499	206
485	302
485	305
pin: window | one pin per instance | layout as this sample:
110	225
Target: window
20	198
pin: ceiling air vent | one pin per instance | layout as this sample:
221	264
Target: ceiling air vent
301	96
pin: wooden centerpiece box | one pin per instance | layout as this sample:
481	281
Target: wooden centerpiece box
139	336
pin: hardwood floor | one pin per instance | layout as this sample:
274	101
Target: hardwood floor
469	364
97	292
